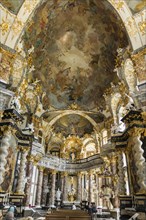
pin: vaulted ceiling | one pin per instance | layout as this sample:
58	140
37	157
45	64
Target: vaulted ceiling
75	45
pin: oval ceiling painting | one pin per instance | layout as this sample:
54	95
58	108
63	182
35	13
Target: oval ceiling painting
75	44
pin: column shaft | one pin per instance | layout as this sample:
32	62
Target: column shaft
29	180
79	187
90	188
52	199
65	188
62	185
45	189
22	174
139	161
39	187
122	189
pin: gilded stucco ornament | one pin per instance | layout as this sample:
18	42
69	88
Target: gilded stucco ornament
28	93
142	27
117	4
17	26
29	5
139	64
4	26
131	26
130	75
6	64
134	132
144	117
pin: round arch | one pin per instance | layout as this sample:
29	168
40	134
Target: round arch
28	8
76	112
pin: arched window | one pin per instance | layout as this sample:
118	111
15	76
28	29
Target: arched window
104	137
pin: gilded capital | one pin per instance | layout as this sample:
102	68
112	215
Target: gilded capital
65	173
53	171
31	158
134	132
41	169
90	172
79	174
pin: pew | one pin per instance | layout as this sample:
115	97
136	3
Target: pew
68	215
54	217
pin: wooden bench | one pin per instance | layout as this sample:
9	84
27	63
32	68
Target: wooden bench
68	215
54	217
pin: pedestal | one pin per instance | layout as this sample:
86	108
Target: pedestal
58	203
140	202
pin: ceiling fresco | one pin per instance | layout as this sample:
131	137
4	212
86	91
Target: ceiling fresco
74	124
12	5
75	44
136	5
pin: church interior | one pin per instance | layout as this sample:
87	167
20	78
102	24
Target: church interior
73	108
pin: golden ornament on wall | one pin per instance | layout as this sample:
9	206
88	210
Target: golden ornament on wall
4	26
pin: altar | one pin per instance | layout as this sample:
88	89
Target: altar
68	205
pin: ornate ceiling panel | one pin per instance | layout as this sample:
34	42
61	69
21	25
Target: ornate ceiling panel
75	45
12	5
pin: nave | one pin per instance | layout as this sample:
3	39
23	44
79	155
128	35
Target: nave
73	108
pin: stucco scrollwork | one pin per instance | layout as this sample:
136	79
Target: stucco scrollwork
130	75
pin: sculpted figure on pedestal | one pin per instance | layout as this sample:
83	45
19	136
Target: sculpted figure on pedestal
58	194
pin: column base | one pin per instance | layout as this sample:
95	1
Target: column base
38	206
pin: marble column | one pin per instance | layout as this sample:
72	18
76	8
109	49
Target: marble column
29	179
90	187
82	185
139	160
79	189
62	184
45	188
39	187
5	144
97	191
128	173
113	166
52	198
22	173
65	187
85	180
122	189
113	181
100	200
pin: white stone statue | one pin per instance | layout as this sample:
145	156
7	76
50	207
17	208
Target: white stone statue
15	103
58	194
29	128
72	156
85	195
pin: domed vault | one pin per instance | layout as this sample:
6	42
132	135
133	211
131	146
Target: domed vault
74	50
